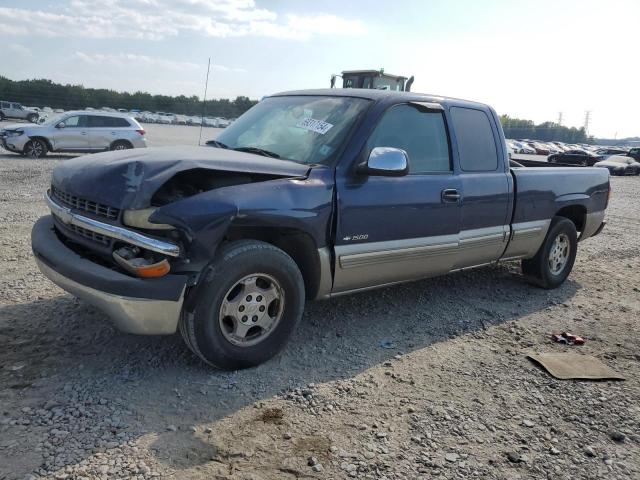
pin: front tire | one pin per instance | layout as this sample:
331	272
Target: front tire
553	262
33	118
249	302
35	148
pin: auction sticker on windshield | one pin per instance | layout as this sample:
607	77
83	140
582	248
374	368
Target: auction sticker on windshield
313	125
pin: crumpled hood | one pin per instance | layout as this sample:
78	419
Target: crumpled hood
17	126
129	178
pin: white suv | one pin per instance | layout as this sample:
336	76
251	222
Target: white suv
15	110
81	131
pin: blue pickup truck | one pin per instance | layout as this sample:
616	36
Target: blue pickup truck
308	195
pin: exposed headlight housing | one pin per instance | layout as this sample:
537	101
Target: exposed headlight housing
140	219
13	133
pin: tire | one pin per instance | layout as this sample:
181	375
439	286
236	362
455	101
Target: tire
35	148
218	331
538	270
120	145
33	118
2	117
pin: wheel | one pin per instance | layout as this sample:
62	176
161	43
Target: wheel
554	260
583	163
2	117
249	302
33	118
35	148
120	145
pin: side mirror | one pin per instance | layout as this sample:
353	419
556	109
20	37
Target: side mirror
386	162
60	125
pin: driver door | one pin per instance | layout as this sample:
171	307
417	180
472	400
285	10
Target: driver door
392	229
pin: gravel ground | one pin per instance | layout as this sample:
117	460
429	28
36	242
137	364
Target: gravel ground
422	380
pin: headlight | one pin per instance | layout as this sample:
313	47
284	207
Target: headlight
140	219
13	133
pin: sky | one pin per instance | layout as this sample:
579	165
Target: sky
528	59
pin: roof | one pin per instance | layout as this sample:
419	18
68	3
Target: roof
379	95
99	112
372	72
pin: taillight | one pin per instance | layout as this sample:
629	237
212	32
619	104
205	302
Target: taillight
141	131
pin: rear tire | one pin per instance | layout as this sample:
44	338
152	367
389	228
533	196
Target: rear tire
120	145
2	117
35	148
553	262
247	305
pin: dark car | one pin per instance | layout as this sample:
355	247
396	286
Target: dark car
606	152
620	165
580	158
308	195
634	153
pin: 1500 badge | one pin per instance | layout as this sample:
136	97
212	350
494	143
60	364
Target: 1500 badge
353	238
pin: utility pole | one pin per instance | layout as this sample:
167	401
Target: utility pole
587	119
559	118
204	101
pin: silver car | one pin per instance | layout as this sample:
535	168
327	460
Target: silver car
80	131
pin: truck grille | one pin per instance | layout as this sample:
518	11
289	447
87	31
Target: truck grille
85	205
96	237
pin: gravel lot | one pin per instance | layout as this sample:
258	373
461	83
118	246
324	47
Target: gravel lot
422	380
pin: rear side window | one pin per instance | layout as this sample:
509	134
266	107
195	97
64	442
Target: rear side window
4	105
419	132
98	121
476	144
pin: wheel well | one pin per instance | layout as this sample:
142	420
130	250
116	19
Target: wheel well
576	213
299	245
115	142
45	140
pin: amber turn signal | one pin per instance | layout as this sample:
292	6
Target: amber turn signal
152	271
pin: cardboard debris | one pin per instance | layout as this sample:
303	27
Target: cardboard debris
566	366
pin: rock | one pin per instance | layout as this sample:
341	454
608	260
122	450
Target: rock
451	457
317	467
311	461
287	436
513	457
588	451
617	436
554	451
528	423
208	430
172	428
381	435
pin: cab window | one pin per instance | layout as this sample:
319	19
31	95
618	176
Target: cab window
476	143
419	132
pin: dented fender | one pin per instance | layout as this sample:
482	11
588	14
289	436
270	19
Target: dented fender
303	204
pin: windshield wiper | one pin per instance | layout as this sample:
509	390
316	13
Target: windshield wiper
257	151
215	143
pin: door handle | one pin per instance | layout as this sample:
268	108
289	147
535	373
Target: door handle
83	133
450	195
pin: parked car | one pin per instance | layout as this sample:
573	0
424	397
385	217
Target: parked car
79	131
15	110
539	148
524	148
620	165
309	194
634	153
580	158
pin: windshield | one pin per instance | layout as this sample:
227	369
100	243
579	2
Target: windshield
304	129
54	119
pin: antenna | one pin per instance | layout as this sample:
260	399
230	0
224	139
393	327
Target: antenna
204	101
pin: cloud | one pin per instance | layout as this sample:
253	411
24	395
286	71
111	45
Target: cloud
159	19
19	49
132	60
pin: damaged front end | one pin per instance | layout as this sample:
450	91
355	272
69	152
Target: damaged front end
130	232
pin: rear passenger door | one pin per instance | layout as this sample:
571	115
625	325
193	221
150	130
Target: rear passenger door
392	229
104	130
486	187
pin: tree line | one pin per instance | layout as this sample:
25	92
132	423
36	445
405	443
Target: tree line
45	93
546	131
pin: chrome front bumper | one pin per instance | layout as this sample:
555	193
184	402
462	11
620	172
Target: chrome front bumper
129	236
143	306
